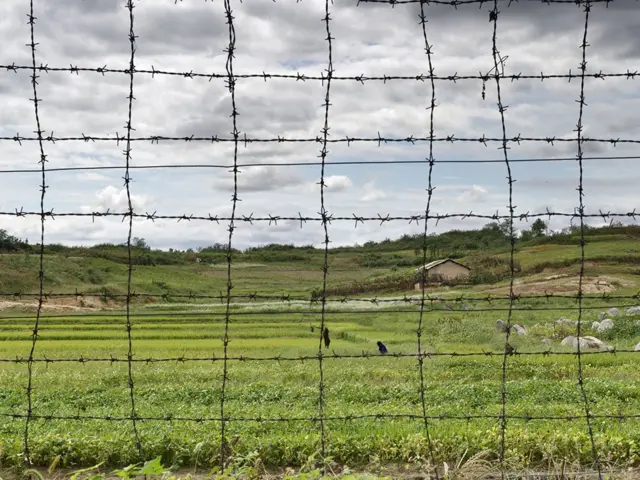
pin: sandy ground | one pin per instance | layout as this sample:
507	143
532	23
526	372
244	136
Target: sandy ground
87	304
562	283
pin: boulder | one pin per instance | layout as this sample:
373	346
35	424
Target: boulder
519	329
606	324
613	312
586	342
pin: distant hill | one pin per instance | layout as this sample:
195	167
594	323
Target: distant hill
374	267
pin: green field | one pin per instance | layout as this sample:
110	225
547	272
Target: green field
181	399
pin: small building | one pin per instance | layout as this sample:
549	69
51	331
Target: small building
444	270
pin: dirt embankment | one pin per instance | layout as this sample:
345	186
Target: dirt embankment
89	304
562	283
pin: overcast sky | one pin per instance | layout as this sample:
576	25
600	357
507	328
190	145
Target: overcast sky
286	37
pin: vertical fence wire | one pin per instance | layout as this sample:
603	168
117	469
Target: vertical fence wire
231	85
581	103
43	188
497	64
127	181
423	276
325	220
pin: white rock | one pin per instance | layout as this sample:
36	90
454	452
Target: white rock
637	349
586	342
519	329
567	340
613	312
595	325
606	324
565	321
632	310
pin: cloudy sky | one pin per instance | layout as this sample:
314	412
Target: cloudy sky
288	37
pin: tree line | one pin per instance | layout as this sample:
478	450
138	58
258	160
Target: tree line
492	236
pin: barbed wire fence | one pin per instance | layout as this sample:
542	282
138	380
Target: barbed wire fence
427	303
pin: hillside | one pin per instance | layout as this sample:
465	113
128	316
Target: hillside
542	261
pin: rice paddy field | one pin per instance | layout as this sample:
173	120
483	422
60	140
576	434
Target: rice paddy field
181	399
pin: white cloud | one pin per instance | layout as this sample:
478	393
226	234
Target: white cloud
337	183
473	195
91	177
114	199
258	179
374	40
370	193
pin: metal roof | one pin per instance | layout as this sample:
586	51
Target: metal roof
435	263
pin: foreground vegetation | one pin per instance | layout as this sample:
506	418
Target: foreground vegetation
464	386
181	399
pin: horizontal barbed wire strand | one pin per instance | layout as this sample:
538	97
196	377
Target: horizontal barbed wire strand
304	358
88	315
379	139
273	219
374	416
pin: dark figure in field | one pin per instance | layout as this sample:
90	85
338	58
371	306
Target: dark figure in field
381	348
327	340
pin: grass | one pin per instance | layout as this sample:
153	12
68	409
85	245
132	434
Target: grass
259	394
93	275
536	385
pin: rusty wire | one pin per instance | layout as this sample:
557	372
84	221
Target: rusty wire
498	66
323	335
357	219
431	108
43	188
582	103
112	359
287	299
127	181
231	82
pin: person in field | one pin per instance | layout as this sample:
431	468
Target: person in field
381	348
327	340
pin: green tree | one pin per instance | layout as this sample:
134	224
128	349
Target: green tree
539	228
140	243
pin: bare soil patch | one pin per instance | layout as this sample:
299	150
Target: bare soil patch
563	283
89	304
